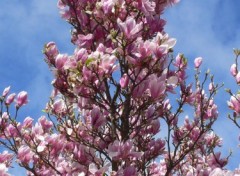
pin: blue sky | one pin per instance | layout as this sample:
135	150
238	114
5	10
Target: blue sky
203	28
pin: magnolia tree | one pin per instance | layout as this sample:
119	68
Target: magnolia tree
118	102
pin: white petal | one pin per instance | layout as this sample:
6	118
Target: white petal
171	42
69	131
40	148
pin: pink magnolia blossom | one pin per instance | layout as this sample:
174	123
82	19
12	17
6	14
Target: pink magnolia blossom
61	60
130	170
129	27
10	99
198	62
108	64
81	55
97	172
164	40
27	123
24	154
3	170
233	70
110	6
11	131
51	49
124	81
97	118
22	99
146	6
157	86
84	40
5	115
234	103
46	125
65	14
238	77
158	169
59	107
181	61
123	150
156	24
211	87
6	91
6	157
153	127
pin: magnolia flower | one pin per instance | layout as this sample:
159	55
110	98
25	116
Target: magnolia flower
181	61
211	87
157	86
21	99
51	49
46	125
27	123
11	131
59	106
234	103
97	118
94	170
146	6
6	91
84	40
198	62
6	157
165	41
5	115
10	99
130	170
122	150
3	170
129	27
109	6
124	81
60	61
238	77
233	69
108	63
24	154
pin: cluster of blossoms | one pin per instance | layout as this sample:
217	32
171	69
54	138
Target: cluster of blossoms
234	102
111	99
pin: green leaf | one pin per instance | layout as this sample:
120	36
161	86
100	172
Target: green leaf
44	111
89	61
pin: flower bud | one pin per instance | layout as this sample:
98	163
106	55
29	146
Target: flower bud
198	62
51	49
10	99
6	91
238	78
233	69
61	60
21	99
124	81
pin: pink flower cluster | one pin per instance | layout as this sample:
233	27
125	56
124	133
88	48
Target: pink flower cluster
20	100
112	110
